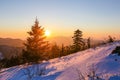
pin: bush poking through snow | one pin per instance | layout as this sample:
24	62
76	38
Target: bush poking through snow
33	70
80	75
40	70
28	72
91	75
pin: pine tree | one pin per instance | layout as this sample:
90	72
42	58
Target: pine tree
35	45
55	51
62	51
111	39
78	43
88	42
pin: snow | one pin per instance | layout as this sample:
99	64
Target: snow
69	67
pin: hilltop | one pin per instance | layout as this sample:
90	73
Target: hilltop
71	67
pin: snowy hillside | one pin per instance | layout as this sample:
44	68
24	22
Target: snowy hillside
71	67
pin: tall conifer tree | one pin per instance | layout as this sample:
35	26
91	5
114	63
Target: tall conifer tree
78	43
35	44
89	42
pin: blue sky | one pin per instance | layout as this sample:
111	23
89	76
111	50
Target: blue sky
96	18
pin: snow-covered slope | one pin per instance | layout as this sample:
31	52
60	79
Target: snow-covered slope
70	67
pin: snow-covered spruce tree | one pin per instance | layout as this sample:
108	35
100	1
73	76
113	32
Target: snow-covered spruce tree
35	44
78	43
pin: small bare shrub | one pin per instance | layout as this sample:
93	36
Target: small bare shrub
90	75
40	70
33	70
27	71
80	75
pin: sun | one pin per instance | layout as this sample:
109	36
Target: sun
47	33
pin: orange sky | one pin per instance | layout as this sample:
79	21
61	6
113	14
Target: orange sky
61	17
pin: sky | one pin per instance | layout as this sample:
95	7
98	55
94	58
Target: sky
96	18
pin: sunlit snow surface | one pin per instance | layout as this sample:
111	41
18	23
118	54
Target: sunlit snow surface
67	67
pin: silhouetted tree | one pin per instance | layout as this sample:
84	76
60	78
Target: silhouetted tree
62	51
111	39
78	43
88	42
55	51
1	65
68	50
35	45
47	51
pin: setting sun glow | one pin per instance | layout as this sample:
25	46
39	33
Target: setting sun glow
47	33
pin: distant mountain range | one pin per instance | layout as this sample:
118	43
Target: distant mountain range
11	42
19	43
58	40
12	47
69	41
61	40
9	51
